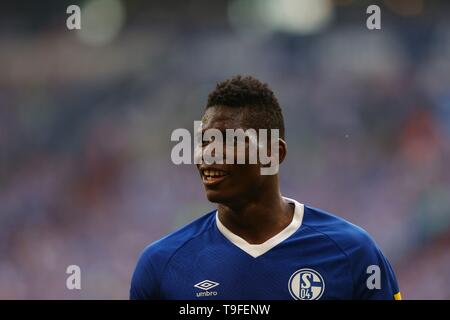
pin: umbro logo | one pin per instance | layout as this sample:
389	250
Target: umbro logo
206	285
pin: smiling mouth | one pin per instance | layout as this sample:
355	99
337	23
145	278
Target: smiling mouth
213	176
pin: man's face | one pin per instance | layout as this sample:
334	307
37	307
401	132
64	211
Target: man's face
228	183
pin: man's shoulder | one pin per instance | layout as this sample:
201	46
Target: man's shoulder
162	249
348	237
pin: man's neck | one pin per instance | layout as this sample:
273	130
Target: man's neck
259	219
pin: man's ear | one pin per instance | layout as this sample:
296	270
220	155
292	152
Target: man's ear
282	150
276	158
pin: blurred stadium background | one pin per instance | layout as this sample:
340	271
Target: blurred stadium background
86	117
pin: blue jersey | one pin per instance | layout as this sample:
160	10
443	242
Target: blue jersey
318	256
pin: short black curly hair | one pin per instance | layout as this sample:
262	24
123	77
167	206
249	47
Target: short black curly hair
249	92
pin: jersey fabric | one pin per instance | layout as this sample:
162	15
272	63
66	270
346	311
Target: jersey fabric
317	256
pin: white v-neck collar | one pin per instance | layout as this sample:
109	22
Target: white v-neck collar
256	250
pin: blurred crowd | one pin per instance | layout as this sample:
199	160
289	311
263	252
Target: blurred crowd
85	170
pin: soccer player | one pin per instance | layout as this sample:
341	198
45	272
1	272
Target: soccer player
258	244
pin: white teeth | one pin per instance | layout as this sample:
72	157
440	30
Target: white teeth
213	173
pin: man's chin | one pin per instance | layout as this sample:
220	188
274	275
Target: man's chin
216	197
